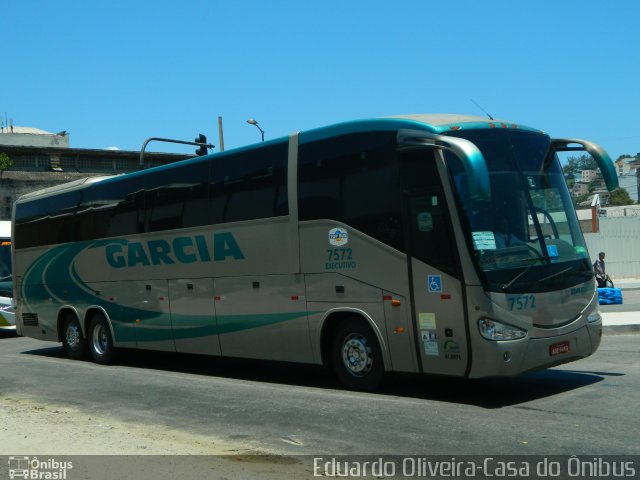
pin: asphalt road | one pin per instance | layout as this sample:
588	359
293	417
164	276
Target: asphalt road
586	407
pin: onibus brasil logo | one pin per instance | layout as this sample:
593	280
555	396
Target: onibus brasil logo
338	237
31	467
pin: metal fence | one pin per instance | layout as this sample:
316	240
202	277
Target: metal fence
619	238
628	211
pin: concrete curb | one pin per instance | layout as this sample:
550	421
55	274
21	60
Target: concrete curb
620	330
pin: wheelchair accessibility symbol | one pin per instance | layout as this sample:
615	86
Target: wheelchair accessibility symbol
435	283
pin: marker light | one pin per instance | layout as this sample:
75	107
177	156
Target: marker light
494	330
594	317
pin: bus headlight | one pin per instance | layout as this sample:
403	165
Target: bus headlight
494	330
594	317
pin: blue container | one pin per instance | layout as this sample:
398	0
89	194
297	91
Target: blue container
609	296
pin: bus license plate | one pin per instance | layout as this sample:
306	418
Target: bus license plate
559	348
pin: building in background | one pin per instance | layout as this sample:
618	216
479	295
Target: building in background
586	176
42	159
32	137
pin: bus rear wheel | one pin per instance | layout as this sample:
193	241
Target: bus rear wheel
73	342
356	356
100	341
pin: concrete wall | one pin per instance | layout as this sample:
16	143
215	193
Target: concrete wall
619	238
34	140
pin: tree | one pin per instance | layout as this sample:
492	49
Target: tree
620	197
577	164
5	163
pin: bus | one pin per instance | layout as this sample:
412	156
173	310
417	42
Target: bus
7	314
432	244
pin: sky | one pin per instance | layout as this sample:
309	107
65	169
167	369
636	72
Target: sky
114	73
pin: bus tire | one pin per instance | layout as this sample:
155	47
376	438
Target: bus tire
73	342
100	340
356	356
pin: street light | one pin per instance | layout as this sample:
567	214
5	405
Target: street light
251	121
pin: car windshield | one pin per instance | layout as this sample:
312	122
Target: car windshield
526	237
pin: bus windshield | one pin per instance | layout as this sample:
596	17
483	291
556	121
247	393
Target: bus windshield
5	269
5	260
526	238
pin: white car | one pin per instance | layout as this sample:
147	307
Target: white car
7	313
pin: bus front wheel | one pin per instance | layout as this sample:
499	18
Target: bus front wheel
100	341
357	356
73	342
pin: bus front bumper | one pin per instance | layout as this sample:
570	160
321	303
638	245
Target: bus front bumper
510	358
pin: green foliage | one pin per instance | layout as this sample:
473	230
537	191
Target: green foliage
5	162
577	164
620	197
579	199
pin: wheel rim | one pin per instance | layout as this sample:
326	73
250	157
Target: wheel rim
357	355
73	336
99	339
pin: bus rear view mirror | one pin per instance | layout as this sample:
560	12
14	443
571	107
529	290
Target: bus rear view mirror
596	151
472	159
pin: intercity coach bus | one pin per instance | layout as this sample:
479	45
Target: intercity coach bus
436	244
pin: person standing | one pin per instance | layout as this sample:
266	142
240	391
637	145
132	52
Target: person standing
598	267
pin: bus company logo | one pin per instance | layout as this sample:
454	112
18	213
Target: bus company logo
32	468
220	247
338	237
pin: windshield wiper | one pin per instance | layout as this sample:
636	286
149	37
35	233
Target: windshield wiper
553	275
580	273
515	279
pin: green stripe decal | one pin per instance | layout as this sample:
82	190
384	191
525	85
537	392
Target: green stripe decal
54	276
238	323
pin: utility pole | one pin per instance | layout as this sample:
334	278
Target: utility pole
221	134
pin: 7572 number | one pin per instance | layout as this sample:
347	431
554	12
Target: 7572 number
523	302
338	254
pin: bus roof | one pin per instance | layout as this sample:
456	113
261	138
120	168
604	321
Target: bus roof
433	123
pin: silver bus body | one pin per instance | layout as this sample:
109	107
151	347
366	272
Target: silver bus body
401	250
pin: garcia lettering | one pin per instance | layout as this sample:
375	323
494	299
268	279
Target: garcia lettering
179	250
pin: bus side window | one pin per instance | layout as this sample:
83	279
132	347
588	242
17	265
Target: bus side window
249	185
340	180
430	238
177	198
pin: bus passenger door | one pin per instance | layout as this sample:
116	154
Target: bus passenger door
437	290
193	316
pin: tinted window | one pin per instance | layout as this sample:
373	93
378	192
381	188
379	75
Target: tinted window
46	221
61	210
431	241
359	180
249	185
5	261
177	197
110	208
352	179
242	186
